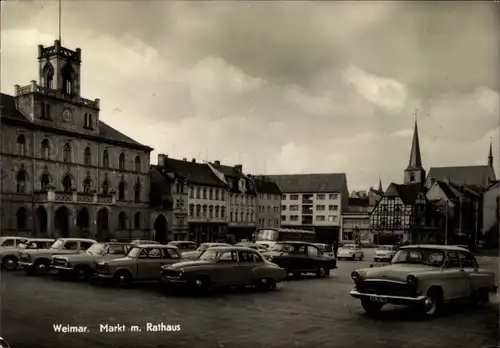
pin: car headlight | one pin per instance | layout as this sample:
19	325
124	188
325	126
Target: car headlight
355	276
411	279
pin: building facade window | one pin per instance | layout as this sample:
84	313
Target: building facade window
191	210
191	192
67	184
122	221
198	210
222	212
204	193
137	191
21	181
204	210
105	159
87	156
198	196
21	145
105	187
137	221
22	216
45	182
137	163
121	191
45	149
67	153
121	161
87	183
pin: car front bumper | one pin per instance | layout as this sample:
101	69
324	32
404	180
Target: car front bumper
62	268
26	264
104	275
397	300
345	256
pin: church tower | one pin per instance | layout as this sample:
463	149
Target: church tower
415	173
490	157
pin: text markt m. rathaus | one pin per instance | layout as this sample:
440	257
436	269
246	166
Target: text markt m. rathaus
150	327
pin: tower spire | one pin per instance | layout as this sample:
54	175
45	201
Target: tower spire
380	184
415	157
490	157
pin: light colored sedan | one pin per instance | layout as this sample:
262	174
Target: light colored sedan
193	255
384	253
350	252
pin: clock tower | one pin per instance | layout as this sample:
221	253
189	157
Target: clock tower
55	100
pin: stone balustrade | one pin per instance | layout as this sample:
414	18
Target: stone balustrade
74	197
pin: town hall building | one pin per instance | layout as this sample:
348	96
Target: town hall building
65	173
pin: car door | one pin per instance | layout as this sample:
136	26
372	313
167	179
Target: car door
471	269
299	259
227	270
314	258
454	278
246	261
149	263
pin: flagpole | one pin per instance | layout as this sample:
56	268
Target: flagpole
59	20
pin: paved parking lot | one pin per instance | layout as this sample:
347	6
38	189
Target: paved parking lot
301	313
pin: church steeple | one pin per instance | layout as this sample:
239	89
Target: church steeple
380	184
415	173
490	157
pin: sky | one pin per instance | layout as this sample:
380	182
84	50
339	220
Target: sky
281	87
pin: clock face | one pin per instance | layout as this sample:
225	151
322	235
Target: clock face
67	115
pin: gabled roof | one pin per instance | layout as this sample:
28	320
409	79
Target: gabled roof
8	111
195	173
228	171
311	183
265	186
408	192
465	175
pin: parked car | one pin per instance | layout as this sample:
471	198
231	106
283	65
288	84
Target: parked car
224	266
258	247
144	241
142	263
193	255
301	257
4	343
184	245
9	242
463	246
326	249
38	261
350	252
9	256
423	277
82	266
384	253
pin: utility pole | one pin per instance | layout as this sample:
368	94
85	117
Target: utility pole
446	222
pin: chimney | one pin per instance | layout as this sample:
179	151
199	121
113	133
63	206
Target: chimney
217	163
161	159
185	159
193	160
239	167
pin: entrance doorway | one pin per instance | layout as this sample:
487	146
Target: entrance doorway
102	224
83	219
61	222
160	227
41	216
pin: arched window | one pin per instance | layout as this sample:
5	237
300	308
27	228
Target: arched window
137	163
67	184
87	183
122	221
211	211
67	153
45	182
21	216
68	75
204	193
191	192
87	156
45	149
412	177
222	212
21	181
210	194
204	210
121	161
216	194
217	211
191	210
121	191
198	210
137	221
105	159
48	75
105	187
21	145
137	191
198	190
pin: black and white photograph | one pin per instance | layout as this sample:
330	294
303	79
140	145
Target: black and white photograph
233	174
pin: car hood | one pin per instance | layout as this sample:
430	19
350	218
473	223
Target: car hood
185	264
191	254
118	259
347	251
383	251
46	251
397	272
75	257
274	253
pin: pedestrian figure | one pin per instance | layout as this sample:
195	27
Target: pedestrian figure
335	247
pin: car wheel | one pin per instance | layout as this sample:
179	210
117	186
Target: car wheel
432	304
265	284
322	272
42	267
371	307
202	284
361	257
81	273
9	263
123	279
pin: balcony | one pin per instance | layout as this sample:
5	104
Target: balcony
307	221
307	201
52	196
306	211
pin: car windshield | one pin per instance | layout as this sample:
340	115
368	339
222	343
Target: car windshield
283	247
134	252
385	247
269	235
349	246
57	244
202	247
96	249
209	255
429	257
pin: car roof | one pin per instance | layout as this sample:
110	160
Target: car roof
296	242
146	245
221	244
39	239
232	248
181	241
435	246
78	240
115	243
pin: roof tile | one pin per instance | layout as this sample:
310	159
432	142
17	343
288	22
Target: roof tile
310	183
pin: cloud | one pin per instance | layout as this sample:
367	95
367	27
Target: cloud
255	83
